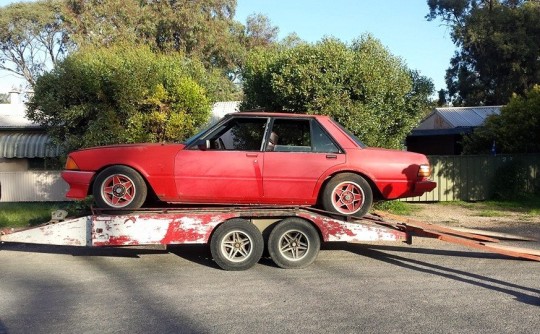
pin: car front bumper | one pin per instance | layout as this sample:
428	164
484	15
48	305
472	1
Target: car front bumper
78	182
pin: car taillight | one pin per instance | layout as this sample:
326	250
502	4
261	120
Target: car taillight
70	164
424	171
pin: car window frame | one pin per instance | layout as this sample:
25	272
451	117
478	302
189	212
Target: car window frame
216	128
311	121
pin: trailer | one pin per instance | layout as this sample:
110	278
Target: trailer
237	236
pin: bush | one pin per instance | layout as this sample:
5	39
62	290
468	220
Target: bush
121	95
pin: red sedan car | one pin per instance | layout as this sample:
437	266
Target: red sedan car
251	158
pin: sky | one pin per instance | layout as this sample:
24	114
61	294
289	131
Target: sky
400	25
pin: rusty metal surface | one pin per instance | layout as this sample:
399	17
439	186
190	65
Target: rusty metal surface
467	238
189	226
195	226
152	228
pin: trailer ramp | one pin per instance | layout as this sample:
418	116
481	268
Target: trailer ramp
478	239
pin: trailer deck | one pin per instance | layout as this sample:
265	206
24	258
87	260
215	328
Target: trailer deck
292	235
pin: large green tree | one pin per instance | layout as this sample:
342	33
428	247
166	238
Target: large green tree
32	38
515	130
201	29
121	94
498	48
362	85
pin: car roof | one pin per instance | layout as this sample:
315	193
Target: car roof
273	114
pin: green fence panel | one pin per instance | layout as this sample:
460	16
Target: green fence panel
474	177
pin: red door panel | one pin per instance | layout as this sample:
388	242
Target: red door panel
219	176
290	177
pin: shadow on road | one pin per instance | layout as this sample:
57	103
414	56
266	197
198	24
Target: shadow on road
200	254
128	252
3	329
522	294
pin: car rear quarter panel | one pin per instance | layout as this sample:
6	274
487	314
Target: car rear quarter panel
155	162
393	172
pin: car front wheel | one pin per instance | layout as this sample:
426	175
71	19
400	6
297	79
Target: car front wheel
347	194
119	187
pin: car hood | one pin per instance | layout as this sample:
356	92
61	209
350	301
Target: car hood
138	156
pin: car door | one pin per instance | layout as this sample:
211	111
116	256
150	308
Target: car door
298	153
224	166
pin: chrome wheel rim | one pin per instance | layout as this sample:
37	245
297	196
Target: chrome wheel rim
236	246
293	245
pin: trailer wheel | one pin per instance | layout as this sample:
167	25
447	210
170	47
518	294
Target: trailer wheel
294	243
348	194
119	187
236	245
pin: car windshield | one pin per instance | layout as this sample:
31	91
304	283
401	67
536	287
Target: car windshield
350	134
196	136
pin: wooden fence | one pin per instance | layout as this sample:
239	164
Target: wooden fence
474	177
466	178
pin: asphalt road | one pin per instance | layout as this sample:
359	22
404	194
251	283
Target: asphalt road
429	287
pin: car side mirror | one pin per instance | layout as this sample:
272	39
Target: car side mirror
203	145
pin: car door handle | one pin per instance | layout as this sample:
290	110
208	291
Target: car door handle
331	156
252	155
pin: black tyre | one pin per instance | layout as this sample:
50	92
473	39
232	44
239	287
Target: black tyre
347	194
119	187
236	245
294	243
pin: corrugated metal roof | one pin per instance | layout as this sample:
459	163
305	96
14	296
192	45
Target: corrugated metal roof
467	116
27	145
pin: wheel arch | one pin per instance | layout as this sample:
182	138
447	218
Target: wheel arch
377	194
143	175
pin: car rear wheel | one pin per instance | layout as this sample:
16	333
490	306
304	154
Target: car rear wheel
347	194
119	187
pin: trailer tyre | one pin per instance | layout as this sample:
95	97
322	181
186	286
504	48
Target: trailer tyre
119	187
294	243
237	245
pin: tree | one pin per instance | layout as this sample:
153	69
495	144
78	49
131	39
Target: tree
32	38
515	130
259	31
121	94
363	86
499	48
200	29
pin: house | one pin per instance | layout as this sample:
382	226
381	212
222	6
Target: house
442	131
24	145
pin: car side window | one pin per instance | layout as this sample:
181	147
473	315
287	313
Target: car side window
321	141
239	134
299	135
290	135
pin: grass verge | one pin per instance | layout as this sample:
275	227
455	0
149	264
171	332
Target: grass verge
25	214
